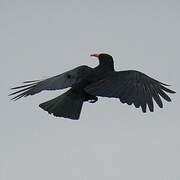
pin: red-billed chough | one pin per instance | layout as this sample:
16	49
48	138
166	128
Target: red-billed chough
131	87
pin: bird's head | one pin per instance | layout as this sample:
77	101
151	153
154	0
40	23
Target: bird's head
102	56
104	59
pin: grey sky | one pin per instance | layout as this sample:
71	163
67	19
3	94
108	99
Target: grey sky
111	140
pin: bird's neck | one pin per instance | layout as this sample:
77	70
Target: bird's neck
106	64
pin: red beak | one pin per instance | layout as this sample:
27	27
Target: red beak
95	55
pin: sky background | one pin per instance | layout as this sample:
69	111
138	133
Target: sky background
42	38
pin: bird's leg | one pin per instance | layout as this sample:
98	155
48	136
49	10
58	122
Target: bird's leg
90	98
93	100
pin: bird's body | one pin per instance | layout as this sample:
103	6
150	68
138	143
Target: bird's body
131	87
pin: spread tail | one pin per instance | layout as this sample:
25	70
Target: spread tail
67	105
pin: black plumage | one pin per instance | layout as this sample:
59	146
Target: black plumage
131	87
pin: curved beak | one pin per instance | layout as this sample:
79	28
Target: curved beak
95	55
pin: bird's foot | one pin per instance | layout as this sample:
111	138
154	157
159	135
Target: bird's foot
93	100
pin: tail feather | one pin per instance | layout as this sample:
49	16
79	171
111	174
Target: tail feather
67	105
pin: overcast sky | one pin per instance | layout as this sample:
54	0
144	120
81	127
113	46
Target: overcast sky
41	38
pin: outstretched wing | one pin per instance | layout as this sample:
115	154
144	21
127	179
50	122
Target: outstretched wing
67	79
131	87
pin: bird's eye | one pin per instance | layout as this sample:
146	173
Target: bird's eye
68	76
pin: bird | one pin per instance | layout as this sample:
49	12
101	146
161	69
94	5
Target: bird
86	84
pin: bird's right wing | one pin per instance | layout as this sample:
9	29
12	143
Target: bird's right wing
65	80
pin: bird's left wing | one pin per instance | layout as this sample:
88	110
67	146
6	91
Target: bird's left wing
65	80
131	87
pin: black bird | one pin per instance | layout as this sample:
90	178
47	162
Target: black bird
131	87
